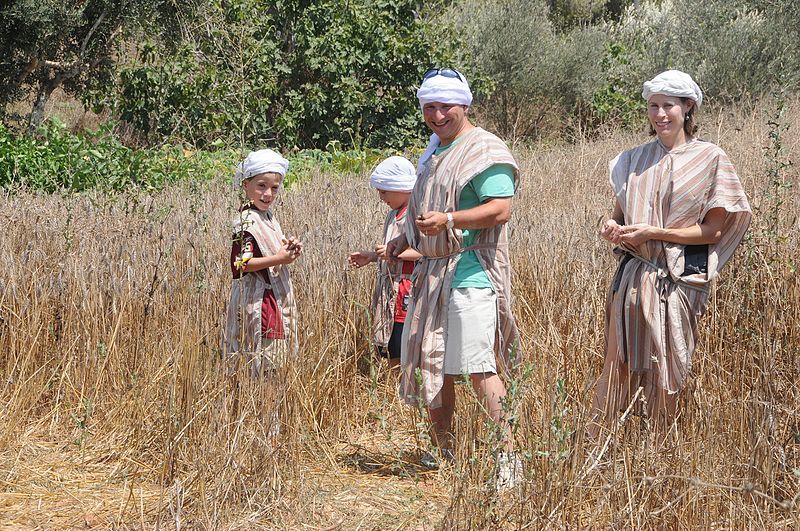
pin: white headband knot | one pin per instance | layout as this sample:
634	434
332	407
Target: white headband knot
258	162
673	83
395	174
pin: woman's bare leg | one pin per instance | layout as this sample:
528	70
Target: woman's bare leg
612	389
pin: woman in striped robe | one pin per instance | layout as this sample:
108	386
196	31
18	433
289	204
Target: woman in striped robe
680	212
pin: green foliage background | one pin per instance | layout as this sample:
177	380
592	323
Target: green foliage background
50	44
332	83
304	74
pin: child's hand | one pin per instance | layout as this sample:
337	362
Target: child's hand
294	245
291	249
395	247
380	251
359	259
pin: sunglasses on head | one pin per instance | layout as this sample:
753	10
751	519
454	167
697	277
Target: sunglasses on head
444	72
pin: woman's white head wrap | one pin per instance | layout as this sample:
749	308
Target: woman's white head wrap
395	174
673	83
258	162
444	90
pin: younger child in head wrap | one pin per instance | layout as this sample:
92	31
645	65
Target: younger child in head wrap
394	179
261	324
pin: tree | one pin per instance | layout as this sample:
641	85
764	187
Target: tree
288	72
47	44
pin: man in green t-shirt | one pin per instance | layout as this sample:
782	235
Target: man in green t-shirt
461	320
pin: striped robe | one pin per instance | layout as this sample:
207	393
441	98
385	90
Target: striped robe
438	188
387	283
242	332
655	310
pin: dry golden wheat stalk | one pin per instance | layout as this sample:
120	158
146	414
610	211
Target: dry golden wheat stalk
117	412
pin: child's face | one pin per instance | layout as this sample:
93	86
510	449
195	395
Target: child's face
262	189
395	200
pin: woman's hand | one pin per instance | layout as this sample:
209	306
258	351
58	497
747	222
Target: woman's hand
360	258
380	251
635	235
431	223
611	231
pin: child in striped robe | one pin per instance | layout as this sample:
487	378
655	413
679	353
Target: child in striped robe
261	323
394	179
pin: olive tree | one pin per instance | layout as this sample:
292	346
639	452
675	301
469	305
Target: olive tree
47	44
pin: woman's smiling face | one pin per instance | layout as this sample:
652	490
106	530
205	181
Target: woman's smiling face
667	116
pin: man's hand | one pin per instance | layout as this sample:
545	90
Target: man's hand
431	223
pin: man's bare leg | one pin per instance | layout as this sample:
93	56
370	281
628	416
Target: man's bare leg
491	390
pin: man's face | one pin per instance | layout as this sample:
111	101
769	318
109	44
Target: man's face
445	119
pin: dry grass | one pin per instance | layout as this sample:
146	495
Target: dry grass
117	413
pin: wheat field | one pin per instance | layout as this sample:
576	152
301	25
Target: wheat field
117	412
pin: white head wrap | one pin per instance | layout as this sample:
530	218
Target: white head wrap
395	174
445	90
673	83
433	143
258	162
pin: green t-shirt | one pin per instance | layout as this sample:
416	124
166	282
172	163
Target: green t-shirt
496	181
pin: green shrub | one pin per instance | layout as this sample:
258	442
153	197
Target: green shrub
297	74
540	78
57	159
558	65
733	48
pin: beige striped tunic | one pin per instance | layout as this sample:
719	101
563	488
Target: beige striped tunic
387	283
438	188
242	332
655	310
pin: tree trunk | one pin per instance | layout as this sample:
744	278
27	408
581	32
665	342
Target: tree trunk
46	88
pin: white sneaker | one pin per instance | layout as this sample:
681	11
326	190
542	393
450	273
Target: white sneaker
509	471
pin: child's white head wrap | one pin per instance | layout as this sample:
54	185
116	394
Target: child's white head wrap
395	174
673	83
258	162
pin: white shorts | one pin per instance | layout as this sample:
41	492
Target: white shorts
471	329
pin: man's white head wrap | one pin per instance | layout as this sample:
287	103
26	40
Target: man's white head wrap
445	90
395	174
673	83
258	162
433	143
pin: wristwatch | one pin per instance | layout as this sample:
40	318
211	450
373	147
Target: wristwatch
450	222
